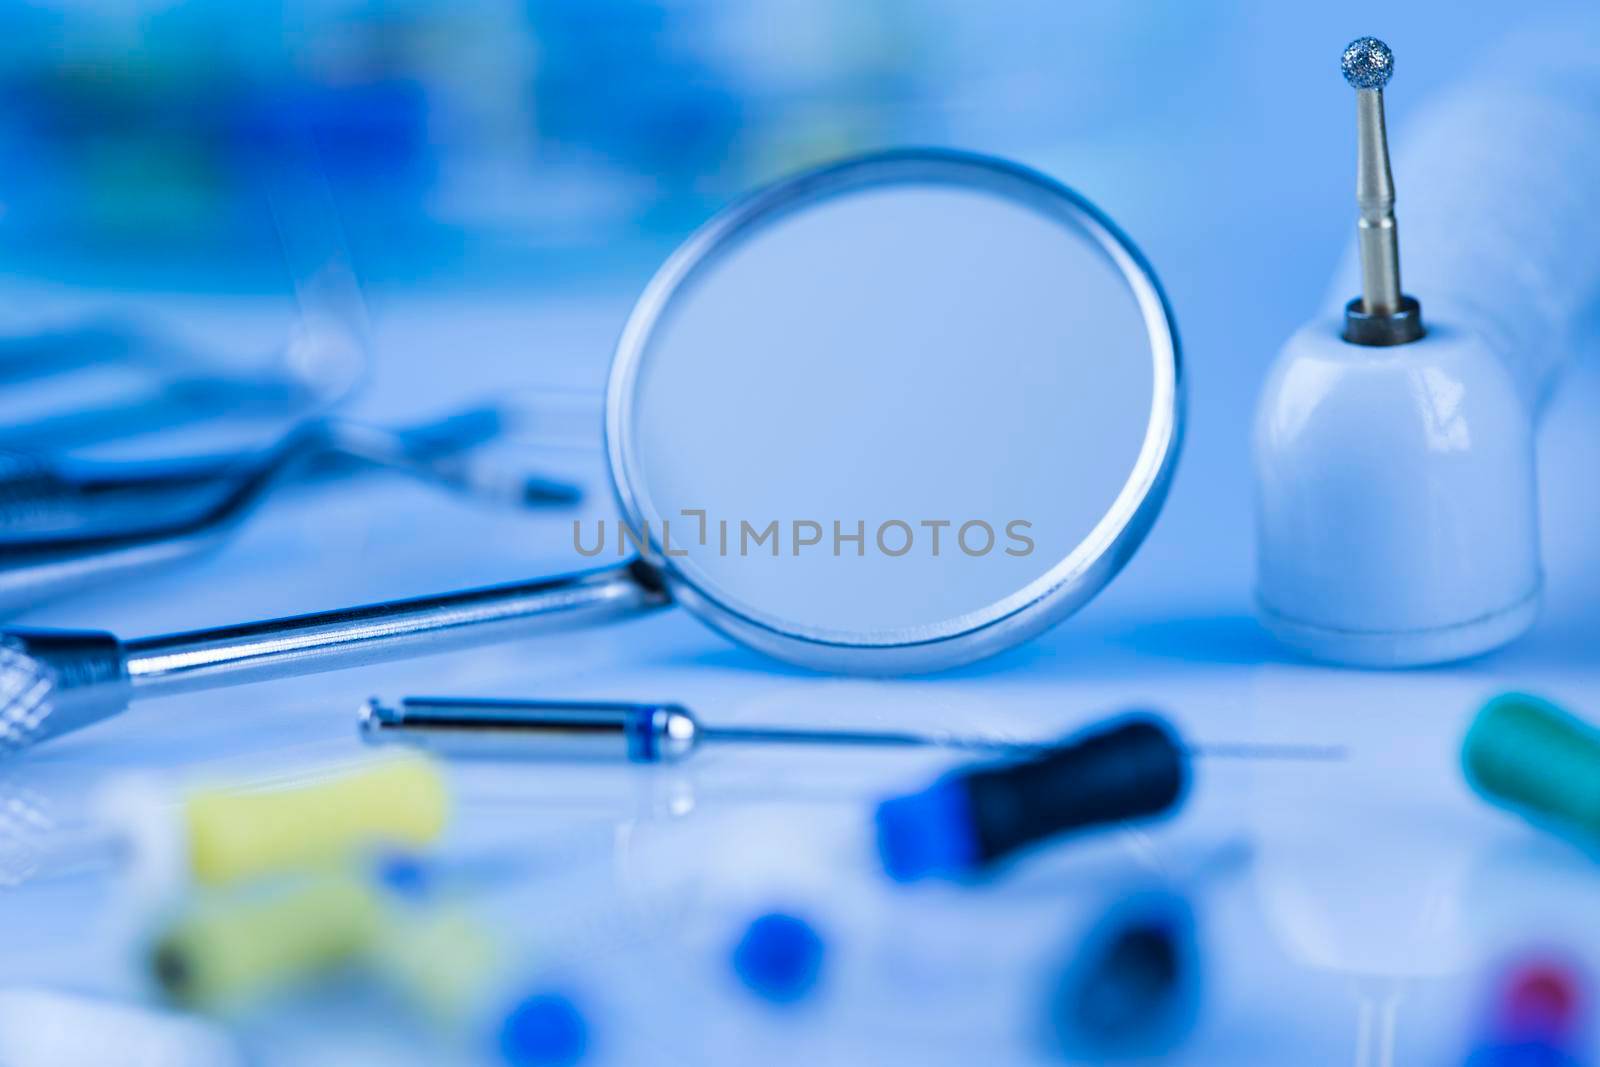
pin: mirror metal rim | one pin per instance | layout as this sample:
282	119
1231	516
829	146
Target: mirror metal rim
1058	593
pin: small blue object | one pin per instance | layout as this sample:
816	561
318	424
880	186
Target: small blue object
545	1030
928	833
779	957
403	874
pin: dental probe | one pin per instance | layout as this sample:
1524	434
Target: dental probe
667	733
1382	314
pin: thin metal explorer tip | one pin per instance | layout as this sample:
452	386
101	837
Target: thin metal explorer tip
1367	63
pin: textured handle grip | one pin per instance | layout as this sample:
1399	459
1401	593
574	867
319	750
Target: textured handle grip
53	682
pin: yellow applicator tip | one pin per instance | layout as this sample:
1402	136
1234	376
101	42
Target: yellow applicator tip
227	951
239	834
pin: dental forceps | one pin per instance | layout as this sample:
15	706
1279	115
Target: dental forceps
36	569
42	498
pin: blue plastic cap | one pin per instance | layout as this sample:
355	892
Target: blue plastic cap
403	874
928	833
1522	1054
779	957
545	1030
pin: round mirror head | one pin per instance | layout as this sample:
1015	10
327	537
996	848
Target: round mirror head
895	414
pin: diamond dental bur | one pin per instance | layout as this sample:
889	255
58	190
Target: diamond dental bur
1382	314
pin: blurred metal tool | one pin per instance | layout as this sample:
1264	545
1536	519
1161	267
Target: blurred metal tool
67	523
36	569
58	349
172	382
43	498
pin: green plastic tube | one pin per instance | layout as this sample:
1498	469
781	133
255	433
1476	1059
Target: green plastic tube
1538	760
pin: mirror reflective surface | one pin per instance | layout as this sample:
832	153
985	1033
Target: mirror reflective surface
896	402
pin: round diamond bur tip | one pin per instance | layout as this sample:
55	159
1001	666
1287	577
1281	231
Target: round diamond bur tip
1367	63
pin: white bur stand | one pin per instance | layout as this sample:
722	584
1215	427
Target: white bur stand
1396	505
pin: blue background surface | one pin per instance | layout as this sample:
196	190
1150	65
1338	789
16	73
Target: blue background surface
1334	901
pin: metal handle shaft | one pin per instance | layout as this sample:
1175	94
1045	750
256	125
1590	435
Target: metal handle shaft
331	640
1378	240
656	733
538	729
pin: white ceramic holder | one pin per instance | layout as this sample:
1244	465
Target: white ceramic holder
1396	500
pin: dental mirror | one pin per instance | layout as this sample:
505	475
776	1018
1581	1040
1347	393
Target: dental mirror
888	416
898	413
